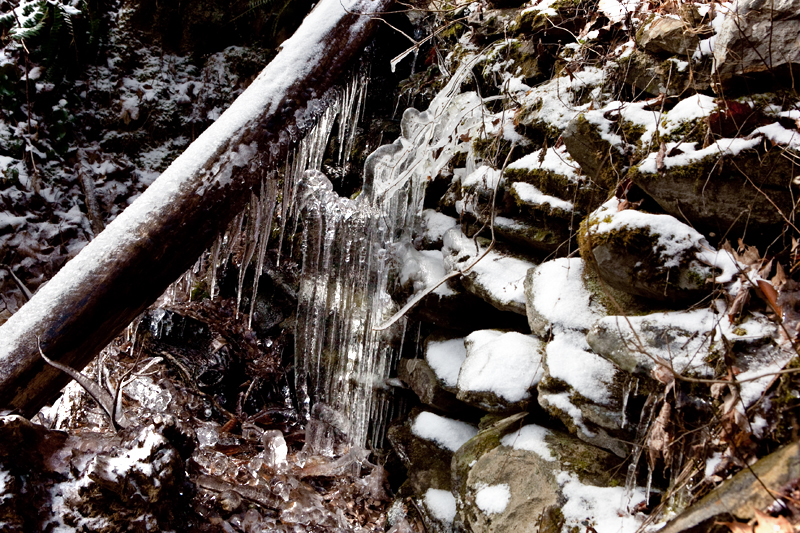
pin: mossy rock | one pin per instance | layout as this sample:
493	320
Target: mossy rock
585	194
571	15
655	76
531	479
596	156
487	439
729	195
633	259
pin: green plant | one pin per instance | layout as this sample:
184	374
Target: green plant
51	32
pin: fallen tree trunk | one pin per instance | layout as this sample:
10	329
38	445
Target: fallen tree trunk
124	270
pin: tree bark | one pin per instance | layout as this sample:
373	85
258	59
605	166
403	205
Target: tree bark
124	270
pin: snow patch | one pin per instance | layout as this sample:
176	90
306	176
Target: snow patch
530	438
493	499
446	432
506	364
442	504
446	358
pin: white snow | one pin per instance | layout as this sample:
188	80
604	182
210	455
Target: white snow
604	508
555	160
530	438
493	499
562	401
507	364
423	269
446	432
500	275
691	154
570	360
560	296
780	135
138	458
483	178
5	479
442	504
446	358
617	11
529	194
712	463
436	224
687	343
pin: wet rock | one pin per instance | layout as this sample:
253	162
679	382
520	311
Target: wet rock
668	35
500	371
739	497
755	40
654	256
497	278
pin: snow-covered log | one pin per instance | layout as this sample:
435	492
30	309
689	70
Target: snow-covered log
124	269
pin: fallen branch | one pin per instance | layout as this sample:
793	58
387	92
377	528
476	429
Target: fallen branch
122	271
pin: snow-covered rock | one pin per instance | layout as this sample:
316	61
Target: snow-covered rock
507	480
497	278
653	256
501	370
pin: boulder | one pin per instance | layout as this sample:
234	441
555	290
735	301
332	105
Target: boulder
555	295
506	481
672	77
688	341
758	40
728	188
651	255
586	392
741	496
588	147
668	35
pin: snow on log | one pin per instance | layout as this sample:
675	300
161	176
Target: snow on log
122	271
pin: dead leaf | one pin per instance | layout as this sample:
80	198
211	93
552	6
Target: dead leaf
764	270
770	295
779	279
739	303
662	151
771	524
659	439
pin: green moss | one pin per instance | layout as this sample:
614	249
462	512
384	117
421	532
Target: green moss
529	21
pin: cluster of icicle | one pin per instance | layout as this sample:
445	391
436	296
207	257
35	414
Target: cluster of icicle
341	360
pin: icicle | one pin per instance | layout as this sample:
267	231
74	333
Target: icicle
646	419
269	197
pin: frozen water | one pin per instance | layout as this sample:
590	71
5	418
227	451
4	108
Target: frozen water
275	449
